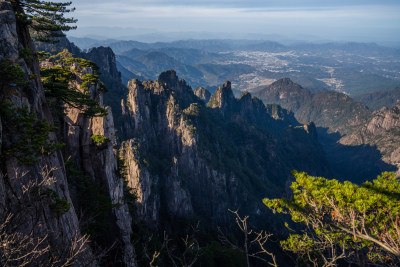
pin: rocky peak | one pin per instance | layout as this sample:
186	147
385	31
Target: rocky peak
284	82
384	120
203	94
286	93
223	99
279	113
248	105
170	79
104	57
288	86
245	97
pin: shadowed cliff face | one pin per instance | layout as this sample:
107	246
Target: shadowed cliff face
185	159
37	187
98	161
33	213
383	131
336	111
359	143
104	57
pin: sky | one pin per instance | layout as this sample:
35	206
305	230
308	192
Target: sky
351	20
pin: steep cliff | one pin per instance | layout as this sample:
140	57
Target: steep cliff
33	181
383	131
203	94
89	146
187	160
349	132
58	183
104	57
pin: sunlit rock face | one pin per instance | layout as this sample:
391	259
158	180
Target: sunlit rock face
188	159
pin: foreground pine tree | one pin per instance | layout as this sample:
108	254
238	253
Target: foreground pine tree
344	221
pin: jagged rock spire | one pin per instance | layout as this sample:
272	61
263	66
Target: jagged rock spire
203	94
223	99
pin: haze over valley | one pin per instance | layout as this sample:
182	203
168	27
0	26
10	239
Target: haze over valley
351	68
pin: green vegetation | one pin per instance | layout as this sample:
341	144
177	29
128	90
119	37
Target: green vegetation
57	204
94	204
89	80
129	196
33	134
67	58
11	74
344	221
100	140
45	19
193	110
57	84
26	54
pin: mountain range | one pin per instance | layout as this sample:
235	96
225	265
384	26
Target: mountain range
114	173
343	121
352	68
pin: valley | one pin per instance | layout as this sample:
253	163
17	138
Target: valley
351	68
217	152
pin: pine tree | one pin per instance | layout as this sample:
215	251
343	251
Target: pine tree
45	19
344	221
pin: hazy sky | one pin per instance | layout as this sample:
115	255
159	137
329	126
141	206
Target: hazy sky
338	20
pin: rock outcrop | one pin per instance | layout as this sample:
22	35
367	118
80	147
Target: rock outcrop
36	193
37	187
98	161
203	94
383	131
334	110
352	134
187	160
104	57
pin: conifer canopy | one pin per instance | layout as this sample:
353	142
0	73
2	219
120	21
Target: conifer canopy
45	19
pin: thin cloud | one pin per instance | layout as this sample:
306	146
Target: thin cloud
328	18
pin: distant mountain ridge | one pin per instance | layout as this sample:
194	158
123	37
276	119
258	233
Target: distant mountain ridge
348	129
187	62
326	108
380	99
383	131
214	45
352	68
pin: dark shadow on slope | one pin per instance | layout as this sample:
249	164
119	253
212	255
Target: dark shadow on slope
353	163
